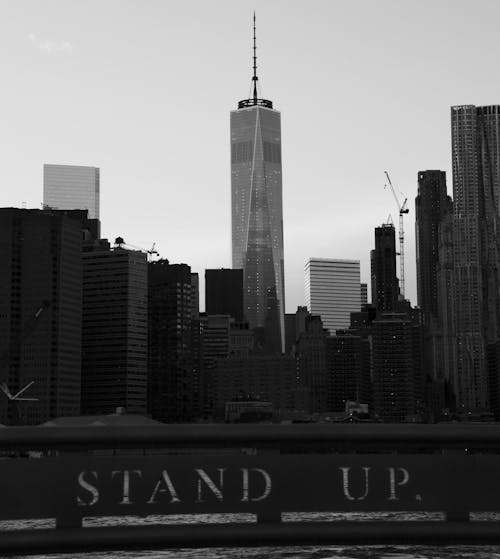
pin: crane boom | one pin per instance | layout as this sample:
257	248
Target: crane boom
402	210
119	242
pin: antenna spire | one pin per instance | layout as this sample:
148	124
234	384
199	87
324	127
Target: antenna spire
254	78
254	100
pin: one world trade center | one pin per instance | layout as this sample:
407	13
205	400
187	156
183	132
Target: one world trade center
257	215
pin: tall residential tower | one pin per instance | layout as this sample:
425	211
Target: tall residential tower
257	214
475	136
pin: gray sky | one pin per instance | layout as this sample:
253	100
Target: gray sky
143	89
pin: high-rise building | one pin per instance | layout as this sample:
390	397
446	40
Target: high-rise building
446	302
312	365
475	135
385	285
348	370
257	215
40	312
114	336
398	380
71	187
224	292
333	291
174	383
431	205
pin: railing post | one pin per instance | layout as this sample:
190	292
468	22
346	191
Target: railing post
458	489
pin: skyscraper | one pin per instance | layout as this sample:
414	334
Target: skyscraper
475	135
397	368
40	312
257	214
71	187
385	288
174	383
333	291
115	330
431	205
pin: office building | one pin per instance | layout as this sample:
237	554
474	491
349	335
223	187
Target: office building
71	187
174	337
333	291
385	285
268	378
432	204
224	292
475	134
311	364
114	337
40	313
398	378
257	215
348	370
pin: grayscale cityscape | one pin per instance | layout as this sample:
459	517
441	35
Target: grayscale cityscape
185	390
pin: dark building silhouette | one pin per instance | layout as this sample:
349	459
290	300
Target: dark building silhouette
348	375
257	216
432	207
385	288
173	367
224	293
432	204
221	337
475	135
446	310
215	344
40	312
493	357
295	325
312	364
114	336
270	378
398	380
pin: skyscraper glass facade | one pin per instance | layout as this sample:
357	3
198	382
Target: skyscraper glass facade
333	291
257	218
72	187
475	133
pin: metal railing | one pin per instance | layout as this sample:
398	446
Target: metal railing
71	473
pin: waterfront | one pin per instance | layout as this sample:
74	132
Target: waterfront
285	552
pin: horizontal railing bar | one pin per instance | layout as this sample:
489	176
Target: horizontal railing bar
248	535
376	436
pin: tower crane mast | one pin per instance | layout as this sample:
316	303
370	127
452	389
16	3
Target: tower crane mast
402	210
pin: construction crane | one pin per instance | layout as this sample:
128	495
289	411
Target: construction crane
402	210
5	358
120	243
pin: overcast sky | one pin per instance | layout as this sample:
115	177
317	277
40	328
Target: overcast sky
143	90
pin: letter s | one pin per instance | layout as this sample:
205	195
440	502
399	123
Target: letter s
92	489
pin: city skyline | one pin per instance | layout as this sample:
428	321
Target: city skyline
145	140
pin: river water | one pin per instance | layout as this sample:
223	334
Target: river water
308	552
